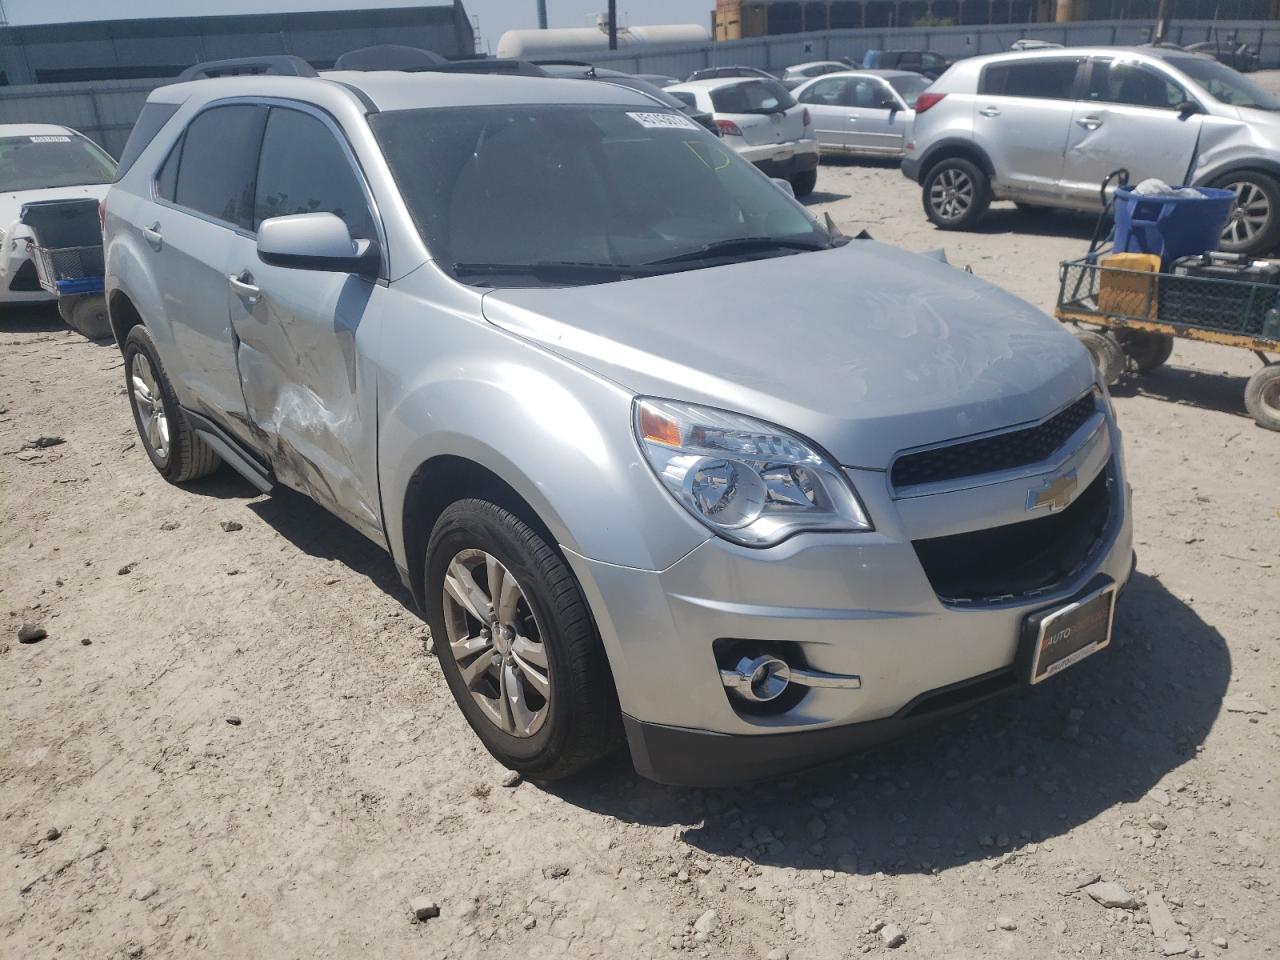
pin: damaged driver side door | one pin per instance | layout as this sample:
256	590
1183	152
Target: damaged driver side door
304	335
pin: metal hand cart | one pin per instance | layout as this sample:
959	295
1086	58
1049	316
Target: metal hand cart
1128	319
68	256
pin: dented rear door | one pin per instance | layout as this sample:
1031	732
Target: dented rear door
304	336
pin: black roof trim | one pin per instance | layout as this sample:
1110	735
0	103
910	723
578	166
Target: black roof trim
281	66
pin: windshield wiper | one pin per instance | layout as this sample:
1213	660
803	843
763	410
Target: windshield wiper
553	270
726	248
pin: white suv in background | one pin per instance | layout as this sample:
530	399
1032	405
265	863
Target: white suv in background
763	123
1044	127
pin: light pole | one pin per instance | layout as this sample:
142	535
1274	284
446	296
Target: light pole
613	24
542	14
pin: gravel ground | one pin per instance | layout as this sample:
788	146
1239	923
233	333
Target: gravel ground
234	743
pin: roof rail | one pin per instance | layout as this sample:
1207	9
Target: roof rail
489	65
388	56
281	65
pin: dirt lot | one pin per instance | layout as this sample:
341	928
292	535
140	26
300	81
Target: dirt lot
233	743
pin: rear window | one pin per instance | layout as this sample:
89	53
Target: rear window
754	96
1042	79
150	120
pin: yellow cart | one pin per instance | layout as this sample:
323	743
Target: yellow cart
1128	320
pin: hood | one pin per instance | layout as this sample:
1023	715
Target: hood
11	203
865	349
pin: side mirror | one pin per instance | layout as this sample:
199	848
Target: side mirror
1189	108
784	186
888	103
316	241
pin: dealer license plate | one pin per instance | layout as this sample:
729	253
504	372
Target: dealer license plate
1059	637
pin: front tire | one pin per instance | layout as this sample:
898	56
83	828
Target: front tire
956	193
1254	226
175	449
517	644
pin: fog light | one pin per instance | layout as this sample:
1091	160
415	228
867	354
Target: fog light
757	679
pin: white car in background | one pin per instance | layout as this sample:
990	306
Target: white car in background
795	75
763	123
867	113
41	161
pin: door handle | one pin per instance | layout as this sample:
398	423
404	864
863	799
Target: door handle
1089	123
990	111
152	235
242	288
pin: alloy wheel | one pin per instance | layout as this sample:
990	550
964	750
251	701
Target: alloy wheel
951	194
1250	214
149	403
496	643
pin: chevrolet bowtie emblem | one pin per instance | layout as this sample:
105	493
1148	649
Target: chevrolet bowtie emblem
1055	494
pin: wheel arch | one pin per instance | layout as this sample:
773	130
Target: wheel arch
445	479
951	148
1246	165
122	314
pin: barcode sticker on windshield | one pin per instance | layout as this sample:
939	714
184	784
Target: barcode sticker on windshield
663	121
49	139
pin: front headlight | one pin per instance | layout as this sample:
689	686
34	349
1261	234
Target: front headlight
748	481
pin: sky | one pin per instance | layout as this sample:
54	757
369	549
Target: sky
495	16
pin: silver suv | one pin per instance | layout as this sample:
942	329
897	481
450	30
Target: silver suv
658	455
1044	127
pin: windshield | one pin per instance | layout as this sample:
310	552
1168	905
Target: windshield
52	160
549	194
1224	84
910	87
752	96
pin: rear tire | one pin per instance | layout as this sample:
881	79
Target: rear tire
1262	397
1254	227
956	193
529	672
86	314
1106	353
1148	351
802	184
175	449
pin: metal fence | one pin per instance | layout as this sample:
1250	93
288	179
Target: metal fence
777	52
105	110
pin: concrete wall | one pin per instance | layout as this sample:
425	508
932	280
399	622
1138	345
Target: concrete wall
777	52
163	46
106	110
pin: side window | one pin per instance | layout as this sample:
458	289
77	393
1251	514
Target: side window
1132	84
830	93
167	178
931	59
304	170
215	172
1042	79
687	99
150	120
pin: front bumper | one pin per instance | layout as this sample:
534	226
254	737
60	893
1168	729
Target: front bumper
849	604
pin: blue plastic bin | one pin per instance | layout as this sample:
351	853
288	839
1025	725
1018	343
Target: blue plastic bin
1171	227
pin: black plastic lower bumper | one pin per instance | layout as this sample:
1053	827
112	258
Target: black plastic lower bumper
911	169
786	169
700	758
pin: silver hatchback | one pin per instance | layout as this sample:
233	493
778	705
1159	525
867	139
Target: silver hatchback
660	457
1044	127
